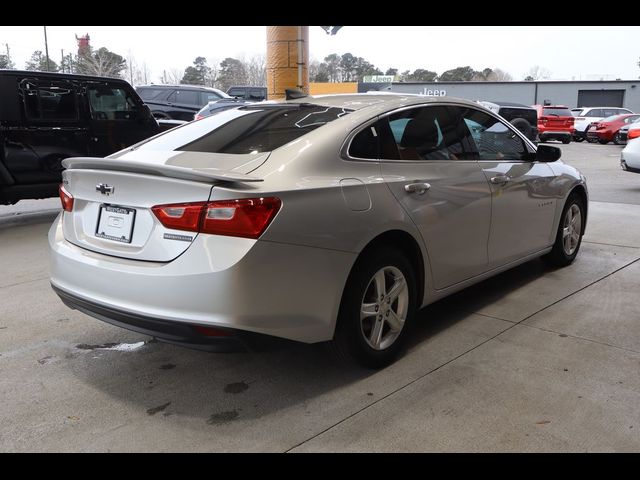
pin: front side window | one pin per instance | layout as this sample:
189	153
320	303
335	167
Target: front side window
493	139
53	100
247	130
111	103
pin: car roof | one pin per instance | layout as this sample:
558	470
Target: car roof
58	75
182	87
391	100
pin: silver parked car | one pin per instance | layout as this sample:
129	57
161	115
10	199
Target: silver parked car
328	218
630	156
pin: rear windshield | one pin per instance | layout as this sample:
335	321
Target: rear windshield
250	129
560	112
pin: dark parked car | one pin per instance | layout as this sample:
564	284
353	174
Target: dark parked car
178	102
523	117
46	117
252	94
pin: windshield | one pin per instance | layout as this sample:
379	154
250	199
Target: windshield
250	129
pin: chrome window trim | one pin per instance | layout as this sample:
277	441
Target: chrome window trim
346	144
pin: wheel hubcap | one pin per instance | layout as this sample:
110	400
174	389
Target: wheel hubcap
384	308
571	230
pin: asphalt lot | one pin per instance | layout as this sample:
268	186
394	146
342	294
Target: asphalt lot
532	360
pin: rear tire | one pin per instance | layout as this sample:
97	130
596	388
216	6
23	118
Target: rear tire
522	125
592	140
566	140
603	142
377	307
618	140
578	139
569	234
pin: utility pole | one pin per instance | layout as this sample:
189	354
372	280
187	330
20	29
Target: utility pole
62	60
46	49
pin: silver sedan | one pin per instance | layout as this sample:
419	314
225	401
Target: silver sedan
330	218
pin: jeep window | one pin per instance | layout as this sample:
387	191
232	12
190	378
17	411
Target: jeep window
236	92
209	97
49	100
187	97
108	103
150	93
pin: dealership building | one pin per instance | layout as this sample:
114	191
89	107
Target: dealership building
615	93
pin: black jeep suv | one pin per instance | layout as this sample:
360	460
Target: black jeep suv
523	117
46	117
178	102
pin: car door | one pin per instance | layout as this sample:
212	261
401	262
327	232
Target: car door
50	129
445	193
117	118
522	202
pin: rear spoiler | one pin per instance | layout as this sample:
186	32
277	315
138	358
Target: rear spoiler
208	175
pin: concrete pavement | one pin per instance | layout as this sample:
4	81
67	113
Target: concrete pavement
532	360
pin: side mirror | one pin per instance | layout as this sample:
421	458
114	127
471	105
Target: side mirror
547	153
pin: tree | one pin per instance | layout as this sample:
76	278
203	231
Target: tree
348	64
537	73
391	71
322	74
492	75
101	62
256	70
232	72
458	74
421	75
333	67
5	62
196	74
38	61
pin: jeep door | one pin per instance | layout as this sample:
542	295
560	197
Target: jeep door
118	118
47	128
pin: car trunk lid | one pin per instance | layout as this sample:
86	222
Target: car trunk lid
113	198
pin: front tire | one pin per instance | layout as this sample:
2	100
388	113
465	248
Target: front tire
377	306
569	235
617	139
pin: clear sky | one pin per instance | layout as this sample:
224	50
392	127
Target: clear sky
567	52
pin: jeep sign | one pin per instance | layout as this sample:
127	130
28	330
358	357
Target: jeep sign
434	93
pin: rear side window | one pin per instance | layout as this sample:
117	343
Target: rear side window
236	92
560	112
55	100
249	129
365	144
596	112
207	97
188	97
111	103
427	133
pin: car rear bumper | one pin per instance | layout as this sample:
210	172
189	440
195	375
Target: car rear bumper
555	133
282	290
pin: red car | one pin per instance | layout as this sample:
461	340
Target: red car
555	121
606	130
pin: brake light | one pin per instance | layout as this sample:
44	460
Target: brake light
180	216
543	120
246	217
570	121
65	198
635	133
198	117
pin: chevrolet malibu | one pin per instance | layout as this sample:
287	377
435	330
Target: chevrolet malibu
331	218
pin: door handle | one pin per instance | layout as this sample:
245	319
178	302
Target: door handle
419	187
500	179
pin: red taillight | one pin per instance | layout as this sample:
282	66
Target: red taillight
247	217
571	121
633	134
65	198
180	216
543	120
198	117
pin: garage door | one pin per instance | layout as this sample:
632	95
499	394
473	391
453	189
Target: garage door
600	98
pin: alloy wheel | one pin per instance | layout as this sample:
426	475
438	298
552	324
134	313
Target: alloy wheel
571	230
384	308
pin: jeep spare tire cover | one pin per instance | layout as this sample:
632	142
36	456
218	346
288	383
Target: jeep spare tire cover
522	125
